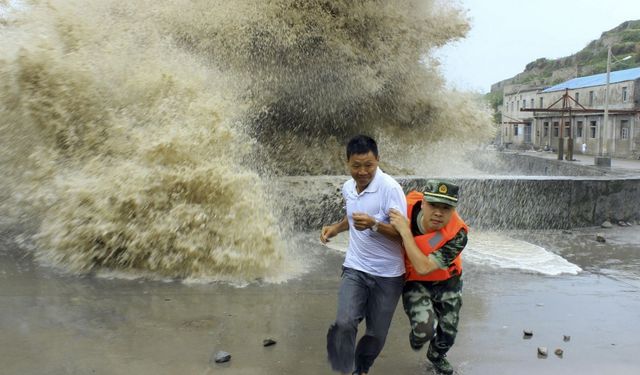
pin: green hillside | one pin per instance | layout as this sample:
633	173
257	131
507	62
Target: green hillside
624	41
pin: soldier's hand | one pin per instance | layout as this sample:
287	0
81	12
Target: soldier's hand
399	221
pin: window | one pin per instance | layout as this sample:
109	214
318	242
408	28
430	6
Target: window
579	129
524	103
532	101
624	129
578	97
546	127
511	106
518	105
624	94
592	129
590	98
541	102
556	126
515	130
567	129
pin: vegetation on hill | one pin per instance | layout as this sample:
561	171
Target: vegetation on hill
623	39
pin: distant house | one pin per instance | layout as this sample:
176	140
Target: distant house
539	117
518	125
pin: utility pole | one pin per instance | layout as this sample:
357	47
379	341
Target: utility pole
604	160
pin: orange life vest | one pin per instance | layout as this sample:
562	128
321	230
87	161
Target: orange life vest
432	241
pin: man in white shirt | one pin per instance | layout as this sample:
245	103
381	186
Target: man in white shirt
373	269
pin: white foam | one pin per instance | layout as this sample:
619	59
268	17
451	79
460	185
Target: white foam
11	6
498	250
339	242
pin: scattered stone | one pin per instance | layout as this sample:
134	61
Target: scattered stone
629	223
542	351
600	238
567	232
539	304
566	337
622	223
527	333
221	357
606	224
268	342
559	352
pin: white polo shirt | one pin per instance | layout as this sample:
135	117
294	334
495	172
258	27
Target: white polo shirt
369	251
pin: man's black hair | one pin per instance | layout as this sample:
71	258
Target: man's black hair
361	144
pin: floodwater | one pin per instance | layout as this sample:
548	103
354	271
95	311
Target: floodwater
58	324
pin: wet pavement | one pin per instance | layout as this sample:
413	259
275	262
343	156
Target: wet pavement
58	324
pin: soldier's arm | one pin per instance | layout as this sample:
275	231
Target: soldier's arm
422	263
445	255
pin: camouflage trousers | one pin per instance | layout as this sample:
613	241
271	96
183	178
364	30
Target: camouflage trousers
433	309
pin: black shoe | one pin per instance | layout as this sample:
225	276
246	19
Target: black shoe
414	345
439	362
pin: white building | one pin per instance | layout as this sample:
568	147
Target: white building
573	111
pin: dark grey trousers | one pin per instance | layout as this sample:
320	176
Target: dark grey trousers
362	296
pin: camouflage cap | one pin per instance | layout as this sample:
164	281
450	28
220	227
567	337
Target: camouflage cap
440	191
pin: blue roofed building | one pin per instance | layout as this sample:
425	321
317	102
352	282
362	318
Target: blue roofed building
596	80
573	111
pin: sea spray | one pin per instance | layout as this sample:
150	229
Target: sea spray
139	136
321	71
126	151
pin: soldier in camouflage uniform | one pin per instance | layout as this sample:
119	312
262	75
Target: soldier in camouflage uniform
433	238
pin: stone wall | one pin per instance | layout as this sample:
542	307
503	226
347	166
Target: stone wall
505	163
490	203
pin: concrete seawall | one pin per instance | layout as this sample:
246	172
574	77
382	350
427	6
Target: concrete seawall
499	203
535	164
586	197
